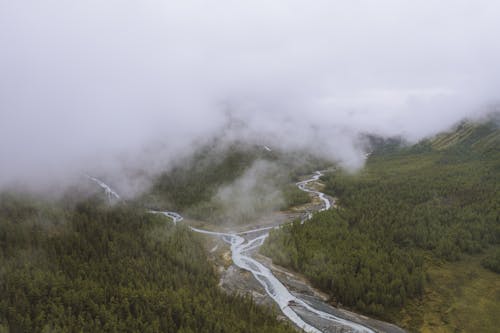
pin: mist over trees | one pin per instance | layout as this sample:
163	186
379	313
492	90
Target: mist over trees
232	183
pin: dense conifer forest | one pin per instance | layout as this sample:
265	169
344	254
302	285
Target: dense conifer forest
437	200
91	268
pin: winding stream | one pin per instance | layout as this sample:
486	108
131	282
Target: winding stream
241	245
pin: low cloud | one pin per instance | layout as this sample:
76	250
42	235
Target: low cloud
120	88
252	195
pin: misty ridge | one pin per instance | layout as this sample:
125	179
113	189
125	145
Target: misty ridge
230	182
125	92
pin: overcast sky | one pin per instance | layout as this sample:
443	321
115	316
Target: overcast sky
90	85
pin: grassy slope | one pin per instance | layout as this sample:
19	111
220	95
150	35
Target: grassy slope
460	297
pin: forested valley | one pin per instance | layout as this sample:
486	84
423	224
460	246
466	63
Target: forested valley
193	184
87	267
409	208
80	264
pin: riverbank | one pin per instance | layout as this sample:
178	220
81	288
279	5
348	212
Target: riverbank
292	293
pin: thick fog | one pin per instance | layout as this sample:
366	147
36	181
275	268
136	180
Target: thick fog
103	87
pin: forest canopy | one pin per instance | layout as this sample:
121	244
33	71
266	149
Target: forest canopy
94	268
438	199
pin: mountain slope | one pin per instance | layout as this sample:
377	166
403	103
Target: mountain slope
479	137
411	208
204	185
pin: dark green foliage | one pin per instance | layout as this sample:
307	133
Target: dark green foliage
191	186
354	268
492	262
111	270
438	199
196	179
294	197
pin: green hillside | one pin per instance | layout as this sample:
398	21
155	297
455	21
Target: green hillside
479	137
409	210
191	186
